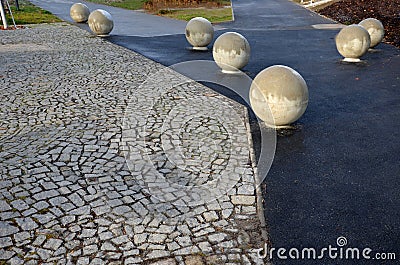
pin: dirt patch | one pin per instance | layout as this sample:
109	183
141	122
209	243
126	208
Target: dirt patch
353	11
11	27
152	5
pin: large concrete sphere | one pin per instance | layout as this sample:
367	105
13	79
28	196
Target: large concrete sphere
199	33
375	29
353	42
231	52
79	12
101	22
279	96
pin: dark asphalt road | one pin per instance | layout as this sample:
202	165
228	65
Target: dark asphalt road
338	174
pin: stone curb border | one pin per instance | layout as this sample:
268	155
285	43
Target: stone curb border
259	197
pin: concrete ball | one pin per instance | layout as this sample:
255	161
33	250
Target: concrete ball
352	42
375	29
199	33
231	52
79	12
101	22
278	96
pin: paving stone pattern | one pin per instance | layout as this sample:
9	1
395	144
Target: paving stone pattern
110	158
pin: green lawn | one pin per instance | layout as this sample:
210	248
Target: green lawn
30	14
127	4
214	15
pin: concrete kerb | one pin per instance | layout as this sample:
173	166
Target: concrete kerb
233	13
258	190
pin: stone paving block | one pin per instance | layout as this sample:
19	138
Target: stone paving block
26	224
6	255
53	243
215	238
243	200
170	261
5	242
16	261
21	236
7	229
210	216
120	240
155	254
20	205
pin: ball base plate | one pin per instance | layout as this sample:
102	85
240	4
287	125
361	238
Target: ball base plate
231	71
352	60
200	48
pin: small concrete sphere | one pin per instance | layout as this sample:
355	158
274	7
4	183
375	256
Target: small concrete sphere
101	22
352	42
375	29
199	33
79	12
231	52
279	96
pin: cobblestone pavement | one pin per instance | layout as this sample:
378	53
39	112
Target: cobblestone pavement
103	162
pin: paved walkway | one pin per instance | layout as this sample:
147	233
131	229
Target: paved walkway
126	22
109	158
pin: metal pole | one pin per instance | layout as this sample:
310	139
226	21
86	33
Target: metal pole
3	15
9	9
16	5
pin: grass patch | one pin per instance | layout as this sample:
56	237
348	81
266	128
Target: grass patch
127	4
49	236
213	15
43	211
30	14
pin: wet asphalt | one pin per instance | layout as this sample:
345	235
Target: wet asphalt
337	173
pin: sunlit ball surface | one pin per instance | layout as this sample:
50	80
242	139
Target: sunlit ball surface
199	33
279	96
231	52
79	12
375	29
352	42
101	22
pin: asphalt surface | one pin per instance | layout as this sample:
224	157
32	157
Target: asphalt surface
338	173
